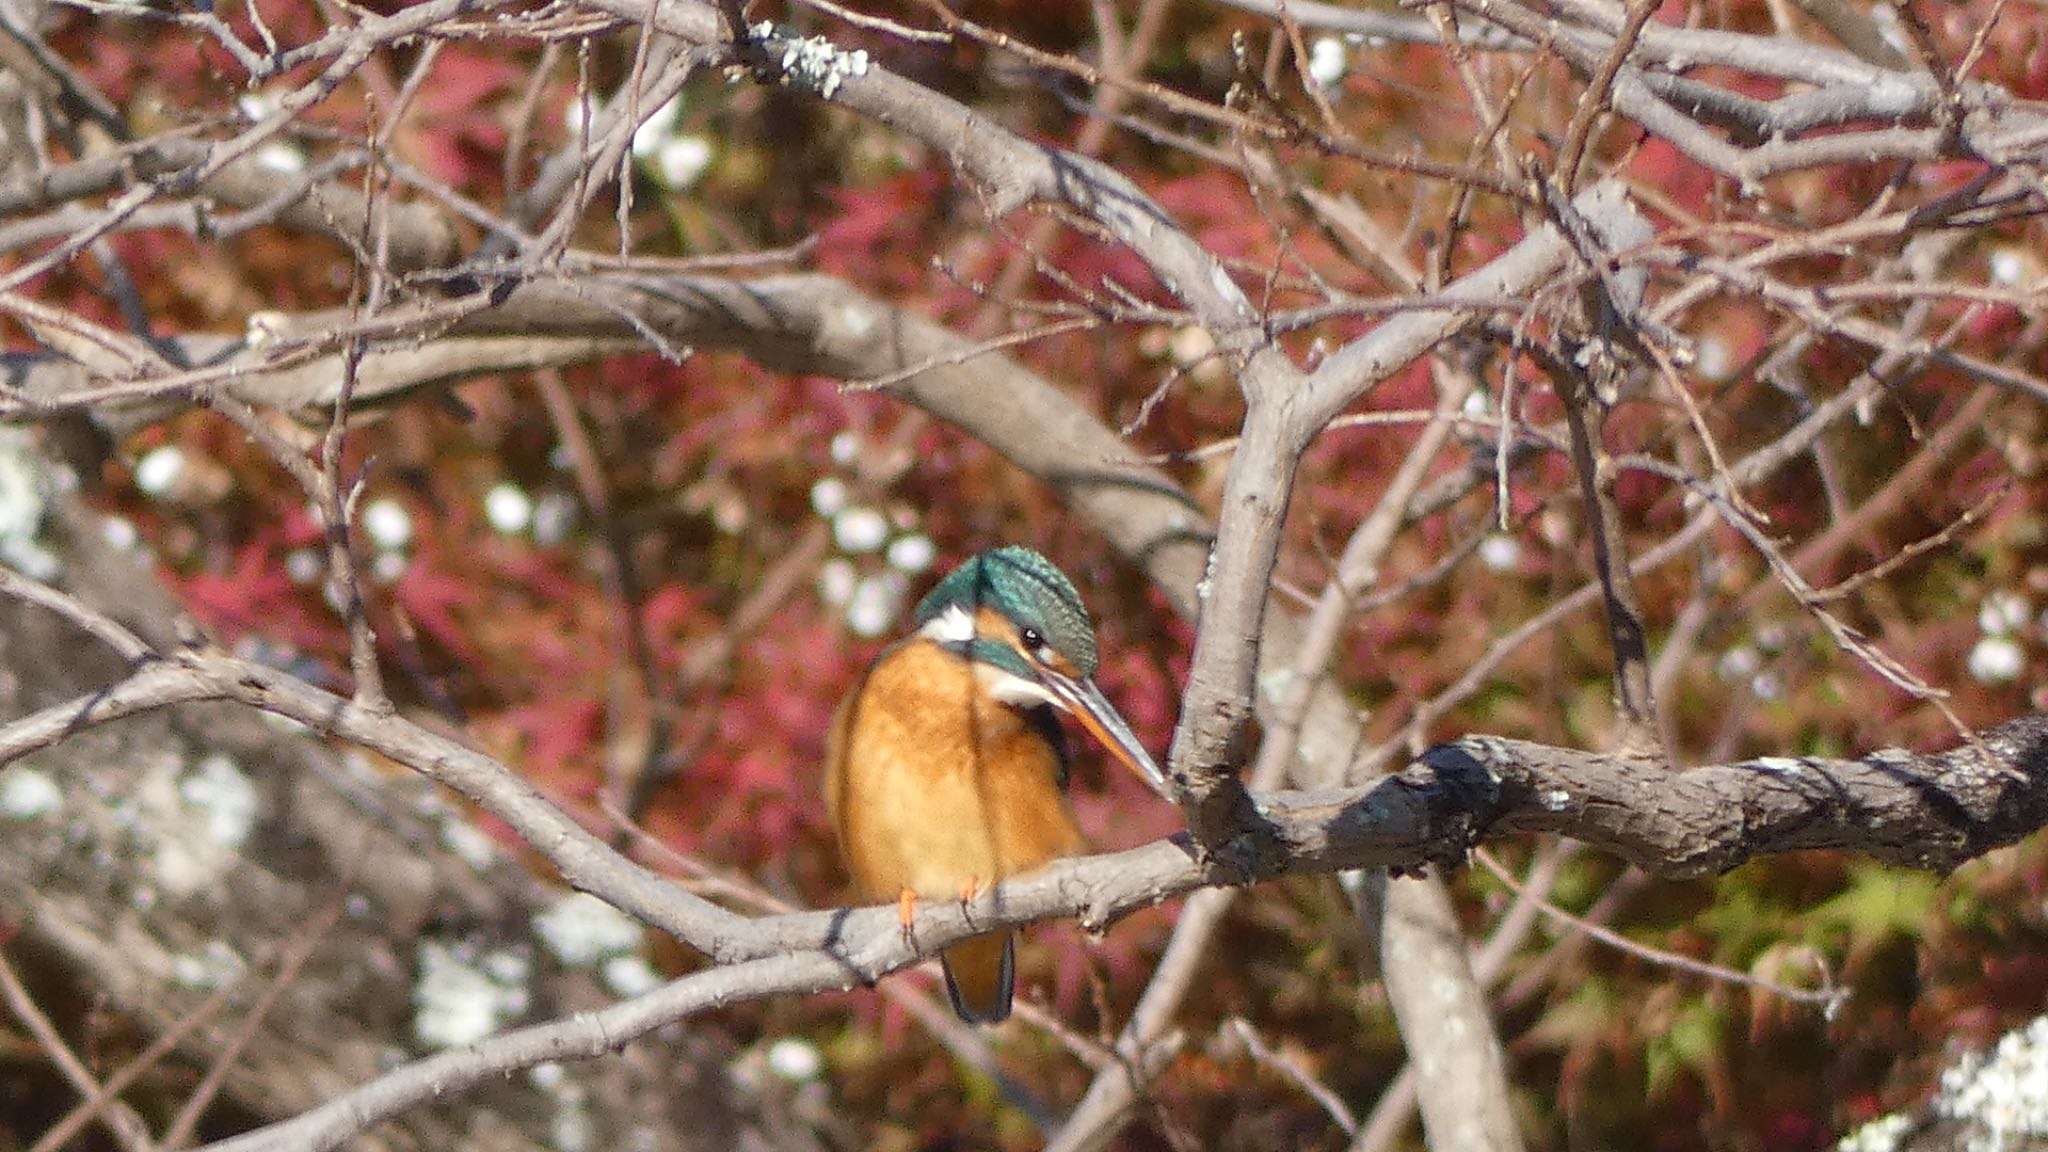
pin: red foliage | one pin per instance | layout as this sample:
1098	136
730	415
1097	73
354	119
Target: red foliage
252	595
887	217
452	140
707	469
1659	163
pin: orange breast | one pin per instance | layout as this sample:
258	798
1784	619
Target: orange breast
934	787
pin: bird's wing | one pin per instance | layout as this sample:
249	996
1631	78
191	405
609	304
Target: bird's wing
1045	720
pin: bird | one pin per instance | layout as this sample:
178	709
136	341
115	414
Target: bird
946	766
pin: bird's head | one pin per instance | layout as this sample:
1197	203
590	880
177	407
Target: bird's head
1017	617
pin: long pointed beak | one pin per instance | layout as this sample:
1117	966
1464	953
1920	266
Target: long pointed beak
1088	705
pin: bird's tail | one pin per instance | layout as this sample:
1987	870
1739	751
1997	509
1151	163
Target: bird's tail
979	974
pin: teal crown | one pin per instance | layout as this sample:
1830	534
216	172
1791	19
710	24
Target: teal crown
1025	589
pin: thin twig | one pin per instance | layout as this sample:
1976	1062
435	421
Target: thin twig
120	1121
1827	996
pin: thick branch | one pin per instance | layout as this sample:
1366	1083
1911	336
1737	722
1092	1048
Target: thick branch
1922	810
43	383
1931	811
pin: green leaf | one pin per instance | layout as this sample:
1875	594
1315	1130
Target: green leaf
1587	1012
1879	903
1689	1044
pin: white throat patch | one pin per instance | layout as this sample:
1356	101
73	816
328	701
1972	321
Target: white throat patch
1014	690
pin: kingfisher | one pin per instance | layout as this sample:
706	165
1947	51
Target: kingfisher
946	767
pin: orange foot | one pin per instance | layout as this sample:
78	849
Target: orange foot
906	911
968	888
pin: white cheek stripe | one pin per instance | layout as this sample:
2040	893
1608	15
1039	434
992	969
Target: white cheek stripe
953	626
956	626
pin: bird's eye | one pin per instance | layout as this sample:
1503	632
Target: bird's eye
1034	642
